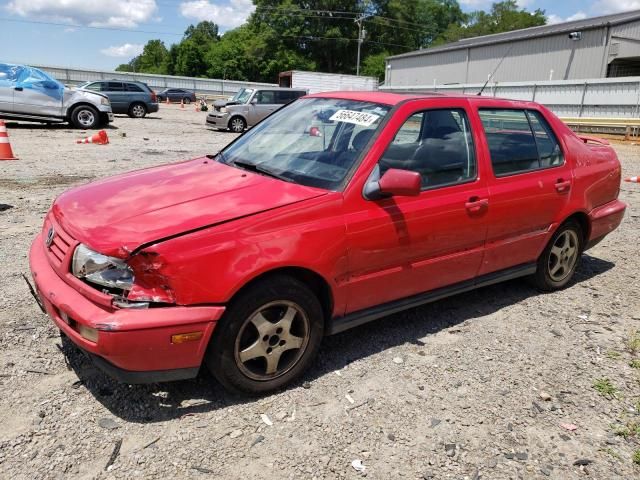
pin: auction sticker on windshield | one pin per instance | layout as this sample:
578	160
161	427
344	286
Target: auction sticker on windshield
357	118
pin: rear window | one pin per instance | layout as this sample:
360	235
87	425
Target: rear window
519	141
114	87
287	96
132	87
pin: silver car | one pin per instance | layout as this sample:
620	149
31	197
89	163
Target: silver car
249	106
27	93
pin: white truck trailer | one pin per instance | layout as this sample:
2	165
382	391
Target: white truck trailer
316	82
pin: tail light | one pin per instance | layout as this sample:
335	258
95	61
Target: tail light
154	97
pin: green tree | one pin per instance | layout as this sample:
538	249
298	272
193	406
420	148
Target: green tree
154	58
374	65
503	17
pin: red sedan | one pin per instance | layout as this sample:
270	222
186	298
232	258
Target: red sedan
336	210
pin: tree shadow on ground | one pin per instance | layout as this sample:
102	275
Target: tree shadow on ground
160	402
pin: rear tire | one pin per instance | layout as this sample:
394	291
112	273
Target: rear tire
267	338
137	110
559	260
187	100
85	117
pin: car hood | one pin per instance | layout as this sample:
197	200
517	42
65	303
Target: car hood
117	215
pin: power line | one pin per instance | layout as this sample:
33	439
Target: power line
72	25
69	25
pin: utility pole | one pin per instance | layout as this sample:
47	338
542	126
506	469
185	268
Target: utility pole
361	33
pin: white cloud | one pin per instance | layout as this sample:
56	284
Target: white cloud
551	19
226	15
127	50
614	6
103	13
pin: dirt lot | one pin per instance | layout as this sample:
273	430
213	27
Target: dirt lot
476	386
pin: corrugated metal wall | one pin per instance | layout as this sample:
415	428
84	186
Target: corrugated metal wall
534	59
74	76
601	98
316	82
445	67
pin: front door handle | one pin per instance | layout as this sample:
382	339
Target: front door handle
19	89
563	186
475	204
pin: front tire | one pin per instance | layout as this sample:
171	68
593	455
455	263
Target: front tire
267	338
187	100
237	124
559	260
85	117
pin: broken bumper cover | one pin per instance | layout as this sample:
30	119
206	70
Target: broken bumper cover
133	345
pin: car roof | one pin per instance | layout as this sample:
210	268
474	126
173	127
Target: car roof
394	98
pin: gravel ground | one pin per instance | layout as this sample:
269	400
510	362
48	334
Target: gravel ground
493	384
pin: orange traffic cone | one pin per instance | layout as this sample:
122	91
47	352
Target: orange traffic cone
630	179
99	138
182	103
167	100
5	146
195	104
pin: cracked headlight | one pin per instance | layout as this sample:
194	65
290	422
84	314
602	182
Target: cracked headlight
100	269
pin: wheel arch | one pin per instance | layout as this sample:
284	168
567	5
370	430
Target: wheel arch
71	108
316	282
238	115
585	224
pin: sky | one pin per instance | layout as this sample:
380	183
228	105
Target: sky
102	34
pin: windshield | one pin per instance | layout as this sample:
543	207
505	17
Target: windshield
243	95
313	141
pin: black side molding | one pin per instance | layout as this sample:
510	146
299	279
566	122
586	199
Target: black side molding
355	319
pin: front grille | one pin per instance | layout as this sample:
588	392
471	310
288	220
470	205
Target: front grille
61	247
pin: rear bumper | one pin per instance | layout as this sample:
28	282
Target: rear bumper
605	219
133	345
152	107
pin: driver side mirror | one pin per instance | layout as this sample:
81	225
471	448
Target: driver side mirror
394	182
401	183
253	101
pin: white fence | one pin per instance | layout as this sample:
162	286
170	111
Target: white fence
74	76
600	98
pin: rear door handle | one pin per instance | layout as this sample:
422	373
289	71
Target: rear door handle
19	89
475	205
563	186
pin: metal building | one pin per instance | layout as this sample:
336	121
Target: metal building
600	47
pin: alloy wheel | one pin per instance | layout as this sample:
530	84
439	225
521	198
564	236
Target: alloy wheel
563	255
272	340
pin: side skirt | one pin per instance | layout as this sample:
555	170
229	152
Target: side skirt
355	319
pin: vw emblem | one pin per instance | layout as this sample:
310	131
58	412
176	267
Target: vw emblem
50	234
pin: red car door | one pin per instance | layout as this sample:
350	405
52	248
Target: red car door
402	246
529	185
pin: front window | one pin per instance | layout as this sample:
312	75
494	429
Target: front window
313	141
242	96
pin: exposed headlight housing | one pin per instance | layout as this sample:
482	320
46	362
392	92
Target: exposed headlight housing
105	101
100	269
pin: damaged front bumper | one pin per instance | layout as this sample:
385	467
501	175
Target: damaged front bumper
132	345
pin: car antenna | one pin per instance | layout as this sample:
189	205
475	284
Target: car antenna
495	70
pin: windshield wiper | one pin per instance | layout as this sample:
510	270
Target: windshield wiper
257	167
